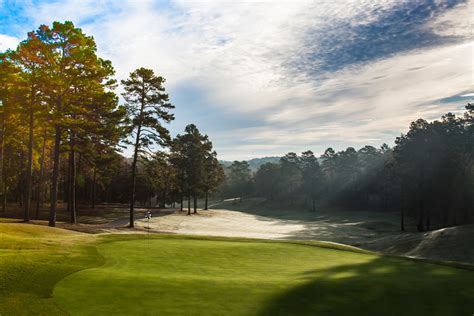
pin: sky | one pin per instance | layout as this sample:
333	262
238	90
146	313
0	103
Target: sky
263	78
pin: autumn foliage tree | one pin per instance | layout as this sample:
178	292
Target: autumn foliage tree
56	85
61	130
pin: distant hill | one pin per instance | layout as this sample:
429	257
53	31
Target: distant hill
254	163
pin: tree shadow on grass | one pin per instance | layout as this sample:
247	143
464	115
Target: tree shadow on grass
383	286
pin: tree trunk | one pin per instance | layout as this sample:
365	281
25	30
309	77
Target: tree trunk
72	184
66	180
402	218
107	193
21	181
181	204
4	200
467	218
94	181
467	202
40	180
195	203
29	168
205	203
2	158
134	165
385	202
444	215
67	185
428	219
421	214
189	205
165	193
134	184
55	177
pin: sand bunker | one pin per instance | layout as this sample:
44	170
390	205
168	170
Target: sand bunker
224	223
374	231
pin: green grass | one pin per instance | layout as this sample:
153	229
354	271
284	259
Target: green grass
33	259
221	277
129	275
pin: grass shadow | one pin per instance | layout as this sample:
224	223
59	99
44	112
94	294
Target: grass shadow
383	286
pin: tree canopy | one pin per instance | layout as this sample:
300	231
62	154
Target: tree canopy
427	176
62	130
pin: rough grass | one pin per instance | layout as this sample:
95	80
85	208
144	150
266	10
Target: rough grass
169	274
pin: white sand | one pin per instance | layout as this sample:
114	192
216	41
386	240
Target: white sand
374	231
224	223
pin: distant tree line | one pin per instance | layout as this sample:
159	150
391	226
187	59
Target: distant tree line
428	176
61	130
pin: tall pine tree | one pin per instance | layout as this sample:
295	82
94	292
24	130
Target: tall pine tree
147	106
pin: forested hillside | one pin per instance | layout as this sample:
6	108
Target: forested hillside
254	163
428	175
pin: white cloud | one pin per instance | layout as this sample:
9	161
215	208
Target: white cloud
367	105
455	22
8	42
236	54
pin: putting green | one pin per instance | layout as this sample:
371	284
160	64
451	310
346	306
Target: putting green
209	277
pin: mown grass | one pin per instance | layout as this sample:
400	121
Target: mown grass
182	276
169	274
33	259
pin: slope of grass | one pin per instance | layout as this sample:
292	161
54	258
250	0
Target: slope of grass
169	274
222	277
32	260
376	231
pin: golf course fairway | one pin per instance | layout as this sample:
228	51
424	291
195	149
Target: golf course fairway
211	277
51	271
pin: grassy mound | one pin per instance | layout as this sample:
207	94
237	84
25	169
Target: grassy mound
452	243
216	277
33	259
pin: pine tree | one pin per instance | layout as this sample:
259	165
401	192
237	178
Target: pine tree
29	64
74	71
147	106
